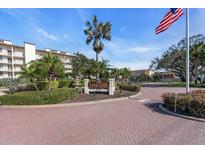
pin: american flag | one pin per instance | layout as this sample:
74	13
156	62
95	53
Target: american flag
169	19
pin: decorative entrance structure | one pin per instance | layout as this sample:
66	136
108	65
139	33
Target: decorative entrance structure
102	86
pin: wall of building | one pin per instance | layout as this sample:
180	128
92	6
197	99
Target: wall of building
13	57
30	52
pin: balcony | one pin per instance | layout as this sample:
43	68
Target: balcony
18	54
17	69
18	62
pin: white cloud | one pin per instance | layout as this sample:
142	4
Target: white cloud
47	35
124	46
12	12
132	65
65	36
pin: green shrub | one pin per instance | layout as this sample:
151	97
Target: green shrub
39	97
192	103
82	83
129	87
42	85
54	84
65	83
29	87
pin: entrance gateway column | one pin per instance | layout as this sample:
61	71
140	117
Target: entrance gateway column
86	89
111	86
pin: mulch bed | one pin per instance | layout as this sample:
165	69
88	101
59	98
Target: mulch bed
99	96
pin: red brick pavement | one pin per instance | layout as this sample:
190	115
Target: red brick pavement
122	122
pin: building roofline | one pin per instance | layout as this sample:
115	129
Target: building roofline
29	43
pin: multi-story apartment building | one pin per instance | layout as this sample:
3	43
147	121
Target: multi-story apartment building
12	57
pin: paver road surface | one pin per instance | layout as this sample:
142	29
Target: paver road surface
131	121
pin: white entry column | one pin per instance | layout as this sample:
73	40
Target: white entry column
86	88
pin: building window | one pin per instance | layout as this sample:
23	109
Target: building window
1	65
10	74
9	60
1	57
1	49
1	73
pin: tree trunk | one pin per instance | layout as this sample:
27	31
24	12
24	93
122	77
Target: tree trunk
35	86
97	75
49	83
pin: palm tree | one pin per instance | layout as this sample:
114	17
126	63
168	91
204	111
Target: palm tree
125	72
95	32
115	73
103	68
51	66
28	73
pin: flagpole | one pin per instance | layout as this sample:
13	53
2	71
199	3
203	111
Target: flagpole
187	50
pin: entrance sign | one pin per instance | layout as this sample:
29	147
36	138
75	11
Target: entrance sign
103	86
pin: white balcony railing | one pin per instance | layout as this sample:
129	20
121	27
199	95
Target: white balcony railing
18	54
18	69
18	62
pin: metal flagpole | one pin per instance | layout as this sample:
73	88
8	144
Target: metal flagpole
187	50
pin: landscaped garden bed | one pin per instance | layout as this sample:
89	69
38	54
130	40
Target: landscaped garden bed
192	104
99	96
64	95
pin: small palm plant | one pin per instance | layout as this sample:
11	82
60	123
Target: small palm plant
28	74
96	32
51	66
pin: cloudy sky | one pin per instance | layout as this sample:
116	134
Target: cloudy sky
134	43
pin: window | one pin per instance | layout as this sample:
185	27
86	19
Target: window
1	49
10	74
1	73
1	65
9	52
1	57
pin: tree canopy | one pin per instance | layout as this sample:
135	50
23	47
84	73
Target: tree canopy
174	59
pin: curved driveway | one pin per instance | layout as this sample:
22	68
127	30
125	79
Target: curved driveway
130	121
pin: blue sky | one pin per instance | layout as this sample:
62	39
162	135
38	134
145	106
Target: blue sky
134	43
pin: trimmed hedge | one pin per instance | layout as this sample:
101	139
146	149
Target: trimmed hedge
39	97
192	103
65	83
130	87
43	85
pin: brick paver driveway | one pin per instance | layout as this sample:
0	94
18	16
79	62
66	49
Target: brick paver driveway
132	121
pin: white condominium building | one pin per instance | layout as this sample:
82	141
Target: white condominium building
12	57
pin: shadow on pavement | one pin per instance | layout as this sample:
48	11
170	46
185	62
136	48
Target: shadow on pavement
154	106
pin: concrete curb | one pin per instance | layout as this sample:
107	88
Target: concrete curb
180	115
70	104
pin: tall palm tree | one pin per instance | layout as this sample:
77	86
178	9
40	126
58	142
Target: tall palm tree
96	32
52	66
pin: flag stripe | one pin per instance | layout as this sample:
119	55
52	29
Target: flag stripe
169	19
167	22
